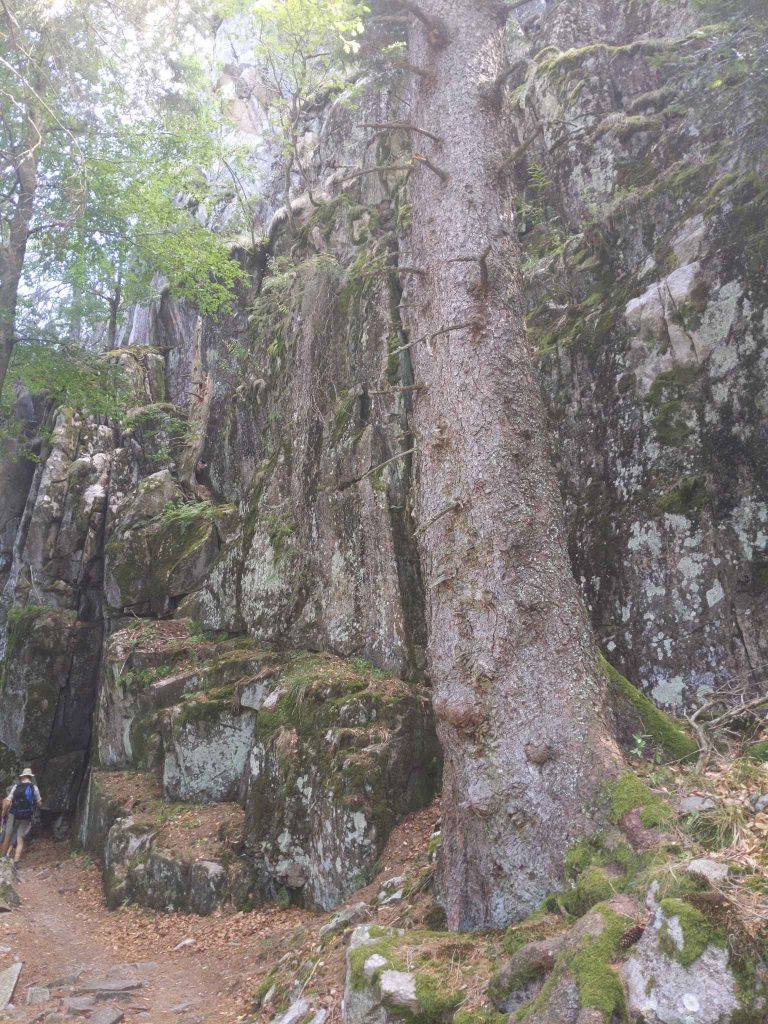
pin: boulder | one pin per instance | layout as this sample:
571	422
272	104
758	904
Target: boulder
344	919
395	975
341	755
9	897
206	743
8	981
159	855
676	974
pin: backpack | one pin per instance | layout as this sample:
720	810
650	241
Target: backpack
23	802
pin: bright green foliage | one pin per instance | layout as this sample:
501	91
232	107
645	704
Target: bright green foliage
106	124
69	375
303	52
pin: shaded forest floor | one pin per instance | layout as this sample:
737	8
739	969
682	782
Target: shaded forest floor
191	970
186	969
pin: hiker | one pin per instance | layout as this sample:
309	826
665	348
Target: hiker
19	806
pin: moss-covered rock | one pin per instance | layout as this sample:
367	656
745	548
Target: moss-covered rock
679	970
637	715
342	752
628	793
163	855
161	546
416	976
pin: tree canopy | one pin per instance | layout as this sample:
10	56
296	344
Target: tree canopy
108	125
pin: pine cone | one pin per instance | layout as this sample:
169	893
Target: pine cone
631	937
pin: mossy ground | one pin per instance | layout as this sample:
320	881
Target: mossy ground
444	966
629	793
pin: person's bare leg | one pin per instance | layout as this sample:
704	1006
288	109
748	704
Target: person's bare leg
6	844
19	849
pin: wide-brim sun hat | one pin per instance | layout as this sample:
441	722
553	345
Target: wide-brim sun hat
27	774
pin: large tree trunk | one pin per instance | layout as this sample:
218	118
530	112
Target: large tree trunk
14	250
518	694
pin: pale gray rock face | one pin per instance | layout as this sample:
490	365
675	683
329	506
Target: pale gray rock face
661	990
8	981
204	760
651	327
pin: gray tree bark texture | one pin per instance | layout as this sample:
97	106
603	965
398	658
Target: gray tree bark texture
517	692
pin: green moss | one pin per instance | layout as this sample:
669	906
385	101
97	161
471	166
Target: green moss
628	793
318	685
593	886
668	737
625	127
436	996
590	965
697	931
686	498
432	957
279	528
479	1017
551	60
342	417
145	677
262	990
540	925
758	751
207	707
19	626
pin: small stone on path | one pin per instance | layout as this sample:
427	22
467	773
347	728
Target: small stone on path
107	1015
65	981
184	943
79	1004
8	979
109	985
37	994
294	1013
696	804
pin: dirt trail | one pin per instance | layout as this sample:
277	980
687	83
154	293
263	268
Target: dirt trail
63	928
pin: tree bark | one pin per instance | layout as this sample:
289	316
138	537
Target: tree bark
12	254
517	691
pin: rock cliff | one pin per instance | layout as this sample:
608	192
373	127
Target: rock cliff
219	601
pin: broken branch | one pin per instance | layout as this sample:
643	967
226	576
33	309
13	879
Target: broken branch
442	175
375	469
455	506
429	338
482	261
437	33
404	65
391	126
